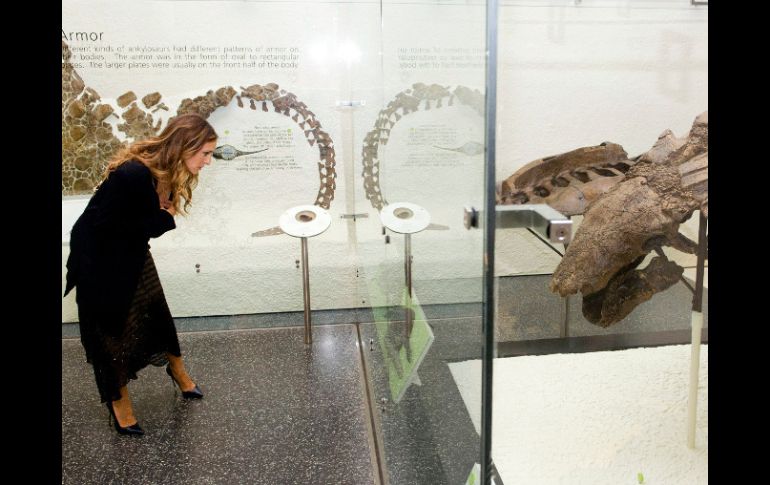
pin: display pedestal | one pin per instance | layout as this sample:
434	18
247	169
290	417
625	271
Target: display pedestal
305	221
407	219
697	327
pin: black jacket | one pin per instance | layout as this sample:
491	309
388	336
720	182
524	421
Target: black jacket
109	243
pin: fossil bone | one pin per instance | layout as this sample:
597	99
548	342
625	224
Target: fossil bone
88	141
403	104
626	215
567	182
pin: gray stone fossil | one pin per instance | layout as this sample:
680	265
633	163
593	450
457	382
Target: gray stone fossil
631	207
229	152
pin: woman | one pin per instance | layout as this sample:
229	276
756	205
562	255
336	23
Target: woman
125	323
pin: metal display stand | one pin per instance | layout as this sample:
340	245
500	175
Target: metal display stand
304	221
407	219
697	328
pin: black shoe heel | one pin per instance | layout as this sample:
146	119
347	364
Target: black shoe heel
134	429
193	394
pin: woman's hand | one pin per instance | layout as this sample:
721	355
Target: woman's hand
167	206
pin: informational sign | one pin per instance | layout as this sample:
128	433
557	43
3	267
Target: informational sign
403	345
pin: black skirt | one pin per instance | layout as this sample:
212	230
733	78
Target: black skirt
148	333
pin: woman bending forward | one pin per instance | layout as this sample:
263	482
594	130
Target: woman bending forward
125	323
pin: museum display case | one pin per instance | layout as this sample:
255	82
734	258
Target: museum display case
599	376
352	108
503	304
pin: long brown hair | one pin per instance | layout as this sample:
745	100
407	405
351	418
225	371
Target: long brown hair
165	154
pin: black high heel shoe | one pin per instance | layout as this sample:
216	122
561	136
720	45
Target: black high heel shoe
134	429
194	394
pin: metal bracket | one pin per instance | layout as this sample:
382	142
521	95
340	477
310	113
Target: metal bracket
544	219
350	103
470	218
354	216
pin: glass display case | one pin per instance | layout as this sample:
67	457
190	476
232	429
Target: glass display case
416	337
597	378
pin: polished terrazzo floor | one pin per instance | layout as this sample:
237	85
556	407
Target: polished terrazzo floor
428	434
279	412
274	412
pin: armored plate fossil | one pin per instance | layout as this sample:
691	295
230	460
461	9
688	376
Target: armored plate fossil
88	140
419	97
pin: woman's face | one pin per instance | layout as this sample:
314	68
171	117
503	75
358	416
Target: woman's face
201	158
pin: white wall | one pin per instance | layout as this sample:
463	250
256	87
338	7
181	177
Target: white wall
578	75
568	77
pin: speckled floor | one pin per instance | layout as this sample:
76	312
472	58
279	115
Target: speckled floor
277	412
274	412
429	435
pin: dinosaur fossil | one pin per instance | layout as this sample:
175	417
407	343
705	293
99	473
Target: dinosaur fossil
88	140
403	104
630	207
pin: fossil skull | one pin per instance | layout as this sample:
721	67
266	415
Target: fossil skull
626	216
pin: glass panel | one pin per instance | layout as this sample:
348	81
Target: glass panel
331	117
593	386
421	269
